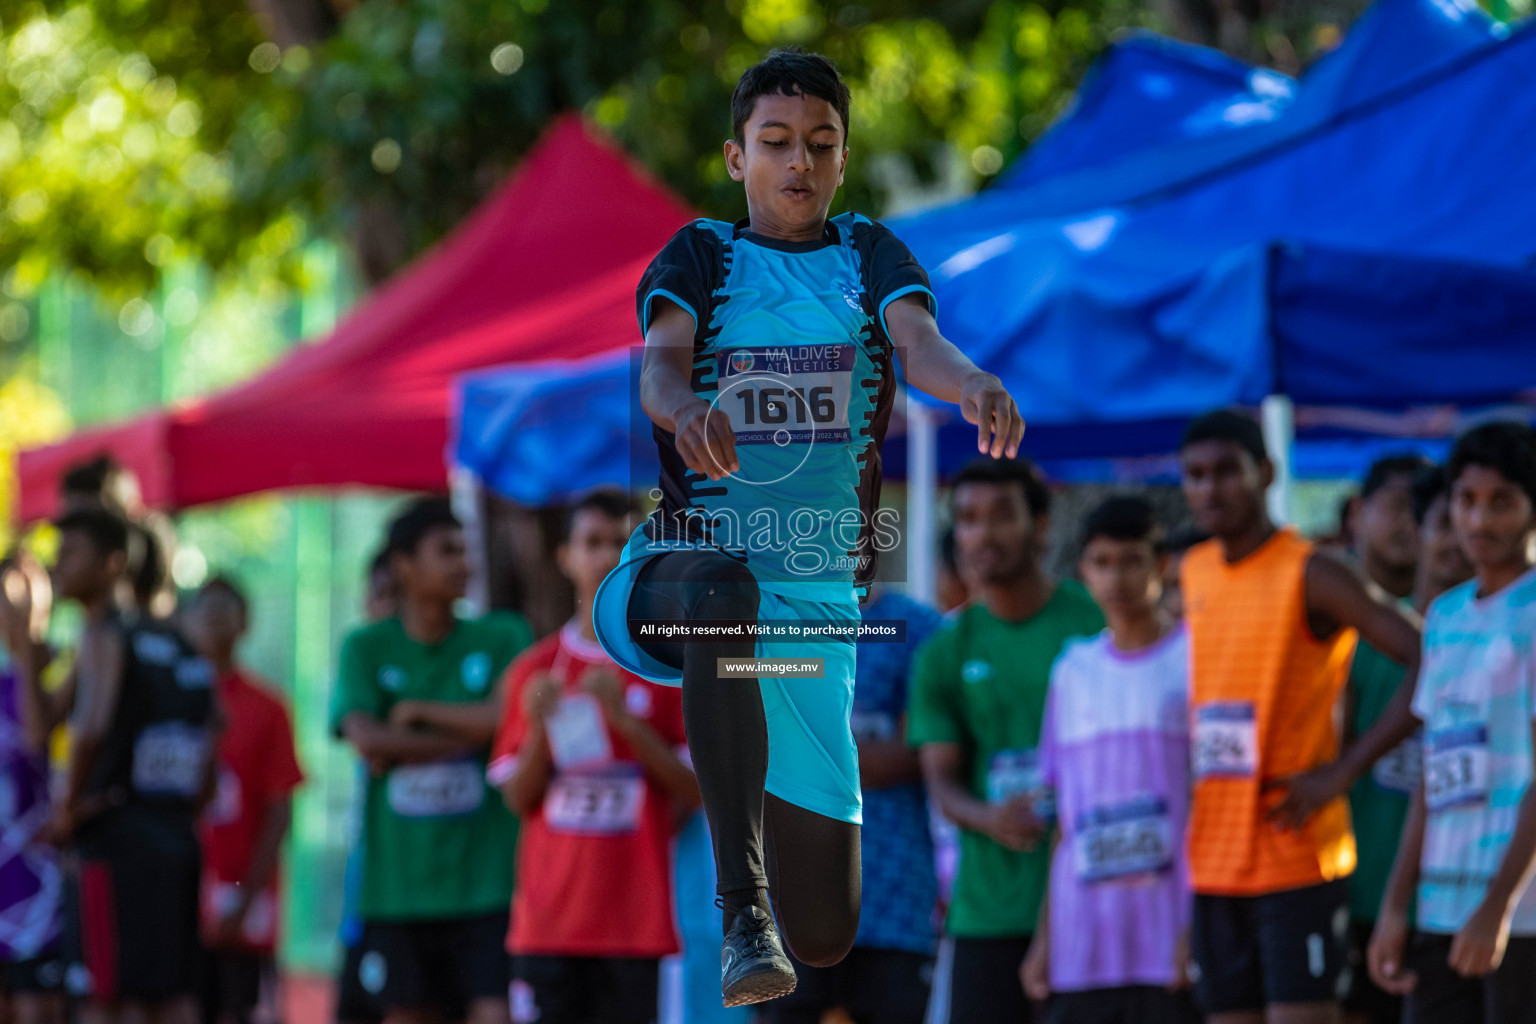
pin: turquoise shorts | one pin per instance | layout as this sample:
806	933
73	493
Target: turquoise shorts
812	759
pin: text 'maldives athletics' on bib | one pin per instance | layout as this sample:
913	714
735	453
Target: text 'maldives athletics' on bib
791	347
1476	698
1115	746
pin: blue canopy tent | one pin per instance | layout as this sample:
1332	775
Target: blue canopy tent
1366	242
1122	298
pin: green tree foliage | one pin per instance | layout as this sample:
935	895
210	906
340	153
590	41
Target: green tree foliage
142	132
145	131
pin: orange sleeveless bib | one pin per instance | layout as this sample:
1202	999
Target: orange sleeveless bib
1264	704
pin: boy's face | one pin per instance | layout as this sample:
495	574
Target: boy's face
592	550
438	570
82	571
791	157
1445	564
1223	485
994	531
1122	575
215	623
1493	517
1384	525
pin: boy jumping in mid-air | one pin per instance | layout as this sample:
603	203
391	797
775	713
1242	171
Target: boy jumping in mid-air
769	378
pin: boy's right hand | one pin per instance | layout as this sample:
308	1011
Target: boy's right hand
705	441
1384	955
1012	824
540	697
1035	971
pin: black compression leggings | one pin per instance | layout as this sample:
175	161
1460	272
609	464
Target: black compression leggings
811	866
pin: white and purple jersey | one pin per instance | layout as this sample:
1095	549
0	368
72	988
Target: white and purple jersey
30	883
1115	745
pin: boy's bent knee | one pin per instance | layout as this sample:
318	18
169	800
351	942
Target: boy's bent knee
723	588
822	943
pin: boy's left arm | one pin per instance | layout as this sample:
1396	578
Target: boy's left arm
657	758
932	364
472	722
1335	594
1478	948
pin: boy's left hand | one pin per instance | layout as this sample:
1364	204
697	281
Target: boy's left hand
1035	971
1478	948
1305	793
406	713
985	402
1183	964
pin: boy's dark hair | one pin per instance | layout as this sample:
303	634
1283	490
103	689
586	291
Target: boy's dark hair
1235	425
149	565
1384	470
408	529
610	501
229	588
1026	474
789	72
1505	447
107	531
93	477
1124	517
379	562
1428	485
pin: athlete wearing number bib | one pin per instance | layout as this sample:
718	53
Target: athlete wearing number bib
1378	805
593	863
981	682
1115	745
437	842
135	913
790	345
1270	907
1476	697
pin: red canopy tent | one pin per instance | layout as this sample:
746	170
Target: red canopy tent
546	267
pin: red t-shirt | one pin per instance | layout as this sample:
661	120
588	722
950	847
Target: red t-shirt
594	875
257	766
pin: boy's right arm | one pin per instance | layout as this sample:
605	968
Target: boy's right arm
702	434
1389	940
524	742
384	745
936	728
1035	971
99	672
360	718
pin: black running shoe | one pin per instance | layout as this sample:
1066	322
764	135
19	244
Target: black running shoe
753	965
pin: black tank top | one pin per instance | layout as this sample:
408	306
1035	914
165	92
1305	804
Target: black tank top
161	738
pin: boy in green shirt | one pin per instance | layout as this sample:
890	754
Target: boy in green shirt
418	697
1405	544
977	702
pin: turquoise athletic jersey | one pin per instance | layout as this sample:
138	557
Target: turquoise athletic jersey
791	347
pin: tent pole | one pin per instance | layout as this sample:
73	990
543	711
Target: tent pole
922	484
1279	418
465	494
